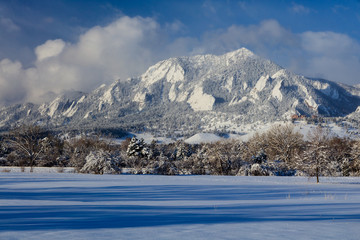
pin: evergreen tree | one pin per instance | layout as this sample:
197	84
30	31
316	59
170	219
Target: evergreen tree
137	148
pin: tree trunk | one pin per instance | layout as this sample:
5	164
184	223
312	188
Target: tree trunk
317	174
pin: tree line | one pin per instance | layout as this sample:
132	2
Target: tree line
281	151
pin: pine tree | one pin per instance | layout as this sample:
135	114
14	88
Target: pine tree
137	148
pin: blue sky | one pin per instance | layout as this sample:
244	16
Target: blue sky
62	44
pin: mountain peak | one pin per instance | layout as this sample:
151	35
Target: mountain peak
206	92
242	52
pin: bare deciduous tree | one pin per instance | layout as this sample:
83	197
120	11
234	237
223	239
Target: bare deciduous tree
354	165
315	156
28	143
78	148
283	142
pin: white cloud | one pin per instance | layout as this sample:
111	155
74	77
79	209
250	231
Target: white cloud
121	49
332	56
50	48
329	43
12	85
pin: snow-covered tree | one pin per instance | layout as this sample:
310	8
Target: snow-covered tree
283	142
260	170
137	148
53	149
182	150
217	157
314	159
260	157
255	144
354	163
164	166
101	162
78	149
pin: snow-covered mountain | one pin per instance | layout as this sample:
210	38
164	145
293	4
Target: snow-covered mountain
193	94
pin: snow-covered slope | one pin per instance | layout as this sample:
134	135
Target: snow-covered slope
189	94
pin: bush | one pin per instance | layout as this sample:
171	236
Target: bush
101	162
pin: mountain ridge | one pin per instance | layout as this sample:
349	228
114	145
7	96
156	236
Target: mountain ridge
192	94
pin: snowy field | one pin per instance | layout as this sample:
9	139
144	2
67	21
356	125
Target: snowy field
75	206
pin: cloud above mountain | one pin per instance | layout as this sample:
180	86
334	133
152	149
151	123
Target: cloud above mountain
129	45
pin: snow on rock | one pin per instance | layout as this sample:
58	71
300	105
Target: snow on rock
87	115
248	89
279	74
303	88
141	99
276	92
175	73
155	73
261	83
259	86
229	84
168	69
42	109
253	94
203	138
100	88
294	105
175	93
82	99
172	93
54	105
200	101
244	86
238	54
107	97
182	96
310	102
326	89
320	86
71	110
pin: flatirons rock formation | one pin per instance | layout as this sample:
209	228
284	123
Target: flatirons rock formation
193	94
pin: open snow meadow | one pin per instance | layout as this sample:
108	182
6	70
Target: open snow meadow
83	206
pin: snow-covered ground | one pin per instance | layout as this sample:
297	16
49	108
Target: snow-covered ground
203	138
76	206
247	131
